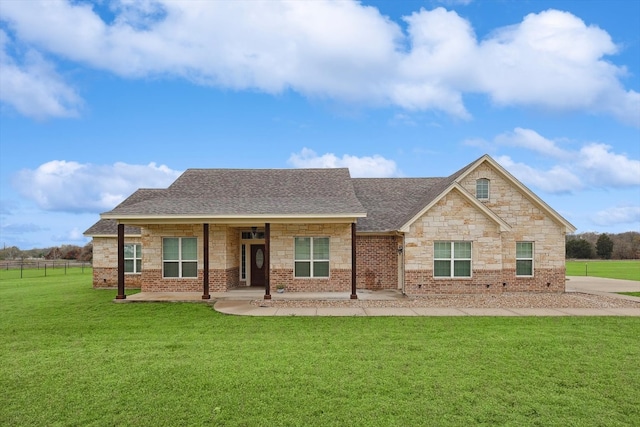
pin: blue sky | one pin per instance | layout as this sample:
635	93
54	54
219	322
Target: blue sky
100	98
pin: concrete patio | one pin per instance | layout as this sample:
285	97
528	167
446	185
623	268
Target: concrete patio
239	302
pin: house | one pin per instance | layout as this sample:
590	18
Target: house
477	231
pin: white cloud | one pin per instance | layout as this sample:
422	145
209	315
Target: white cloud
604	168
367	166
531	140
33	87
338	50
558	179
61	185
617	215
593	165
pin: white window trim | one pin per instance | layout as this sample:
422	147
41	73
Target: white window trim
180	261
136	256
488	181
532	259
452	259
311	260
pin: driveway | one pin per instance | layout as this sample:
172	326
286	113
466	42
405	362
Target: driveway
598	284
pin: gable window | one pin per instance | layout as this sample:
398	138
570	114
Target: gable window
179	257
311	257
524	259
132	258
482	189
452	259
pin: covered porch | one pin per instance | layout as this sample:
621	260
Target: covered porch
251	258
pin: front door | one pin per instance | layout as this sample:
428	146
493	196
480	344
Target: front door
257	265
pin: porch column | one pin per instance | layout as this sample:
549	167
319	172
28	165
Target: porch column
121	294
205	255
353	261
267	260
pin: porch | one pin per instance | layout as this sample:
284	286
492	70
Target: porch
256	293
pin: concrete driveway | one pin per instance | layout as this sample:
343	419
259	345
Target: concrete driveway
598	284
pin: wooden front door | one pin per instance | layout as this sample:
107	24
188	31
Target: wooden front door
257	265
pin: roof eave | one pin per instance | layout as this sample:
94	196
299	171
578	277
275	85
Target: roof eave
233	219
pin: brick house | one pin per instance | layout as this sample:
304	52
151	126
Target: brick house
477	231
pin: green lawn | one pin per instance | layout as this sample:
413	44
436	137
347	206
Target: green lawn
69	356
632	294
628	269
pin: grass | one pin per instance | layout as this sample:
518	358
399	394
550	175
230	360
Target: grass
70	356
627	269
633	294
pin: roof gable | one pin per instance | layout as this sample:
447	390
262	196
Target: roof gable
530	195
456	187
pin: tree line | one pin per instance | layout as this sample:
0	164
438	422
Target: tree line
68	252
604	246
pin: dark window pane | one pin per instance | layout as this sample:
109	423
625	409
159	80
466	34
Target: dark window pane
524	268
171	269
302	269
462	268
442	269
321	269
189	269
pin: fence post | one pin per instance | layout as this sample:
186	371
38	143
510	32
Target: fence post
21	270
45	269
65	268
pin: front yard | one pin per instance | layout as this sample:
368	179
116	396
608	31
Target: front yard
69	356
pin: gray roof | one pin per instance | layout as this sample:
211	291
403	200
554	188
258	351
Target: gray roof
389	203
220	192
108	227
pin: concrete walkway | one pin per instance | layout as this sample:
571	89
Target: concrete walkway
245	308
238	302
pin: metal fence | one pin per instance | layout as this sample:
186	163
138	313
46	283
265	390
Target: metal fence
42	268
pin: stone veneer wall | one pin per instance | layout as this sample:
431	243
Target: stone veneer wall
493	251
377	262
105	264
223	258
282	257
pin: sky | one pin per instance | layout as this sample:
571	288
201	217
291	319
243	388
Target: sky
98	99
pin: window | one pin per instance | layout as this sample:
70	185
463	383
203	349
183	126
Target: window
311	257
180	257
132	258
249	235
452	259
524	258
482	189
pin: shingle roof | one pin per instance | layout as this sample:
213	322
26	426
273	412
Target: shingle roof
109	227
220	192
389	202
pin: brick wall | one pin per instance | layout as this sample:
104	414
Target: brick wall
105	264
377	262
338	281
282	257
421	282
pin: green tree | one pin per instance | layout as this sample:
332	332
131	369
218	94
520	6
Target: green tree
604	246
579	249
